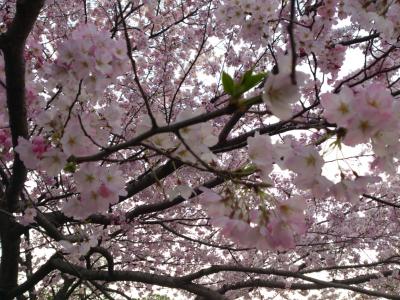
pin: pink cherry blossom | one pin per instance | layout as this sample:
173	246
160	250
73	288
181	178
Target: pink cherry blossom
279	94
26	153
261	152
130	158
338	107
53	161
73	140
305	161
351	190
280	91
28	216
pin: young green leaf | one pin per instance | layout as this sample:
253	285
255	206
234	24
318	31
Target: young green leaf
228	83
249	81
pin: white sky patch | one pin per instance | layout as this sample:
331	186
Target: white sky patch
354	60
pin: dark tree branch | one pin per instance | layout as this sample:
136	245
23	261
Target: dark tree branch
12	44
62	293
41	273
105	253
379	200
229	126
360	39
292	40
135	276
318	284
274	284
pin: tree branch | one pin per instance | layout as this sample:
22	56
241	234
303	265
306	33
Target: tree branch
13	43
136	276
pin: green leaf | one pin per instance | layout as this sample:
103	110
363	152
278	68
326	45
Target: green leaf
70	167
249	80
246	170
246	76
228	83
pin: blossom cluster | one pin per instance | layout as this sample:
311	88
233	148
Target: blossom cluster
74	141
262	228
367	114
377	15
307	163
98	188
38	154
196	139
276	228
313	35
334	57
89	55
251	16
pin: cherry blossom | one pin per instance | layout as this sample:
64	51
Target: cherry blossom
53	161
351	190
261	153
338	107
280	91
25	151
28	216
134	167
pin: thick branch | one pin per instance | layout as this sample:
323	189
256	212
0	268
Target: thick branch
379	200
13	49
42	272
318	284
360	39
135	276
13	44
